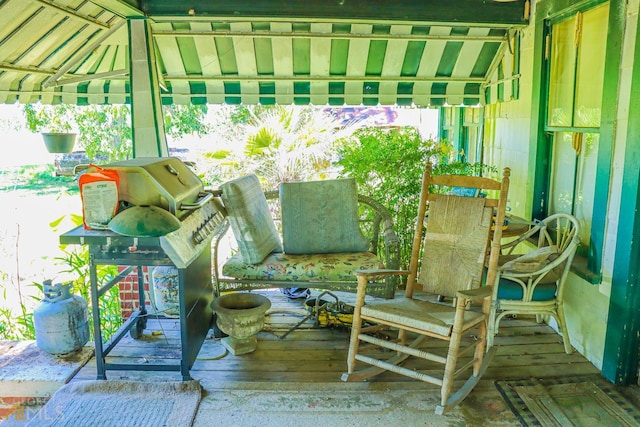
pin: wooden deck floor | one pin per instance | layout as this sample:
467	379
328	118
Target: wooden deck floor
310	354
311	357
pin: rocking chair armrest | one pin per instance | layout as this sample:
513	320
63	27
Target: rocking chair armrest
477	293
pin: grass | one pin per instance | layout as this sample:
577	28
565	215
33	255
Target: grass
30	252
40	179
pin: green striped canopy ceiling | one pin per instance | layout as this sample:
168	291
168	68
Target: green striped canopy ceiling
75	51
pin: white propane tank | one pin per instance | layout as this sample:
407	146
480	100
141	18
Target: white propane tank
61	321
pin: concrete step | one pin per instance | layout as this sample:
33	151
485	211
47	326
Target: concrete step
30	376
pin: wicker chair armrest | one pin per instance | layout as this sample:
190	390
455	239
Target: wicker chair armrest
383	224
476	294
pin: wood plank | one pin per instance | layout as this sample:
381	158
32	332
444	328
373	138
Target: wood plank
318	355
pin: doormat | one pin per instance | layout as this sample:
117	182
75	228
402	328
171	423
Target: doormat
571	401
121	404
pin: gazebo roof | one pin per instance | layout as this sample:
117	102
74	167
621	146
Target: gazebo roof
336	52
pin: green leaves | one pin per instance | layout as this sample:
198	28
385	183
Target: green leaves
50	118
106	129
278	143
180	120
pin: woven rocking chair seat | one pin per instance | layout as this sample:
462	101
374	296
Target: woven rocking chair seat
419	314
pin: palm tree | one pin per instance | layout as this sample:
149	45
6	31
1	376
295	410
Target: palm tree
282	143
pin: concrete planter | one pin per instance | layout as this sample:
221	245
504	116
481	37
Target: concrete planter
241	316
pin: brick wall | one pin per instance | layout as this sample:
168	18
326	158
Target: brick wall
128	288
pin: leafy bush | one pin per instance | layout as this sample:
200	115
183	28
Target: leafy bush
76	263
15	326
388	164
106	129
277	143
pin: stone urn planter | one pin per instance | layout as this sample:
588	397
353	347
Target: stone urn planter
241	316
59	142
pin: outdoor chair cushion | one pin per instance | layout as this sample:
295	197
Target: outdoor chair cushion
531	261
510	290
303	268
250	218
321	217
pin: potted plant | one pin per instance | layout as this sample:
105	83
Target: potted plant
56	123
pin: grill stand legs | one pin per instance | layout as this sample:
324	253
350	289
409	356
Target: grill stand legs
195	313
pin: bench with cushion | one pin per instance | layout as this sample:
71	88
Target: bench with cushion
311	234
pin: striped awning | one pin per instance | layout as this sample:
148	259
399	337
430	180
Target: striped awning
77	52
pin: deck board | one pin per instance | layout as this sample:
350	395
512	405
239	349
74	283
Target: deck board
314	354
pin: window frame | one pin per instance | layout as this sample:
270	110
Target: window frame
454	127
588	263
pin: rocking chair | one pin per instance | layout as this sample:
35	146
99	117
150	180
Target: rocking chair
450	249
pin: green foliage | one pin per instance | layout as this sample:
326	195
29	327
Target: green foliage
106	129
470	169
387	164
75	263
277	143
15	326
180	120
50	118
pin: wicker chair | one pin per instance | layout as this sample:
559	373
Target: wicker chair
533	283
377	227
448	257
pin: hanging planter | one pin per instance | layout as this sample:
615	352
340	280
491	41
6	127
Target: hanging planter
56	123
57	142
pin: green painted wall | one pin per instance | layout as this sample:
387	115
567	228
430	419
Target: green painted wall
621	348
587	305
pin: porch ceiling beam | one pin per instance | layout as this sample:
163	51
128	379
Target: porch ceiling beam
346	36
78	56
71	13
306	78
110	75
22	69
121	74
485	12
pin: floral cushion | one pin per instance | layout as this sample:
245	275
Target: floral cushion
320	217
302	268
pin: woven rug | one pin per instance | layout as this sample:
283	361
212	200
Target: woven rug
571	401
121	404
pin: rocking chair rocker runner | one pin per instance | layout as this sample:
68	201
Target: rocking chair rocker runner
453	243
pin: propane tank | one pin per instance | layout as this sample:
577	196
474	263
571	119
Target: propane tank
61	320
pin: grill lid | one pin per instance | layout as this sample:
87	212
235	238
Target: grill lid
144	221
166	182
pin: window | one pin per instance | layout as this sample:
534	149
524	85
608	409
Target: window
461	127
576	56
